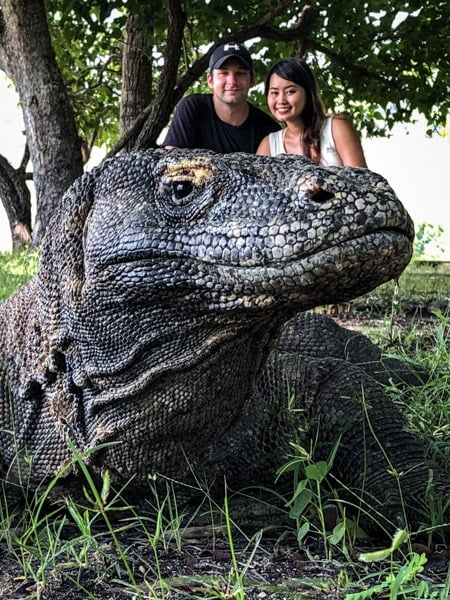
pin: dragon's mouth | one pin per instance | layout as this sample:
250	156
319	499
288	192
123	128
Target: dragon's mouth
237	253
362	243
332	274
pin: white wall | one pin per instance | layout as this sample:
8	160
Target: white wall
418	168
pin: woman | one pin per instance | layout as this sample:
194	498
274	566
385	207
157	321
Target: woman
293	99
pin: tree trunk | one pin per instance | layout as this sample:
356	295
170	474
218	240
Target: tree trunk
51	132
136	68
15	197
166	95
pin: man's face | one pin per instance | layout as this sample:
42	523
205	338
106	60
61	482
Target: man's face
231	82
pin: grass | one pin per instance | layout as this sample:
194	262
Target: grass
101	547
16	268
422	288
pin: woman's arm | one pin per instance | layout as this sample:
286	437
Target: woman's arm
264	147
348	143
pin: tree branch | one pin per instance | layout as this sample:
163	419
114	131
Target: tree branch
3	61
15	197
144	126
359	70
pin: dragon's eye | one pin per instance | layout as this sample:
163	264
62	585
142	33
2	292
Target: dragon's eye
181	190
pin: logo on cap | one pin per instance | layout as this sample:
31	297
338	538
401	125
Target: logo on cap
231	46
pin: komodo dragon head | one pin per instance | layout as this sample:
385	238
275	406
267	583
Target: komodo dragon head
164	280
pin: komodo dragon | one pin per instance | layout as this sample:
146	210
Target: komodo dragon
151	327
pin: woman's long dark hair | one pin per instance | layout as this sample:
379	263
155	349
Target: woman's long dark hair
313	114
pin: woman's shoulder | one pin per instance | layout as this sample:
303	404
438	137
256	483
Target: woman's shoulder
331	119
342	125
271	144
339	117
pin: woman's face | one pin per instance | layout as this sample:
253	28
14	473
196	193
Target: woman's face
285	99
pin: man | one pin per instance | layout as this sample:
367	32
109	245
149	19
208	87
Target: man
223	121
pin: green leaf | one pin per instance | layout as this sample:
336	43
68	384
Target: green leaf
302	501
338	533
400	537
317	471
302	532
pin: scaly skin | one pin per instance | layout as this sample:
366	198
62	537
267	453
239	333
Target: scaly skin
165	281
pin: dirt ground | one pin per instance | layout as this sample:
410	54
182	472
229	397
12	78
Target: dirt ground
201	568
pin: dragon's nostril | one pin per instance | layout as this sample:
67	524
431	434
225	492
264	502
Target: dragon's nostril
320	195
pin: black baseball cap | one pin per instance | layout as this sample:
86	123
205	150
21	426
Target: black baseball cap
230	50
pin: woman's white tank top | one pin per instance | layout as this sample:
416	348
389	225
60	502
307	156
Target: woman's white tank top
328	153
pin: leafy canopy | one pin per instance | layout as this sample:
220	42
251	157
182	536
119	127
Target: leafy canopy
380	61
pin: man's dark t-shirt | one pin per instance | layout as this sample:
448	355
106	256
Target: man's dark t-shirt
196	125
